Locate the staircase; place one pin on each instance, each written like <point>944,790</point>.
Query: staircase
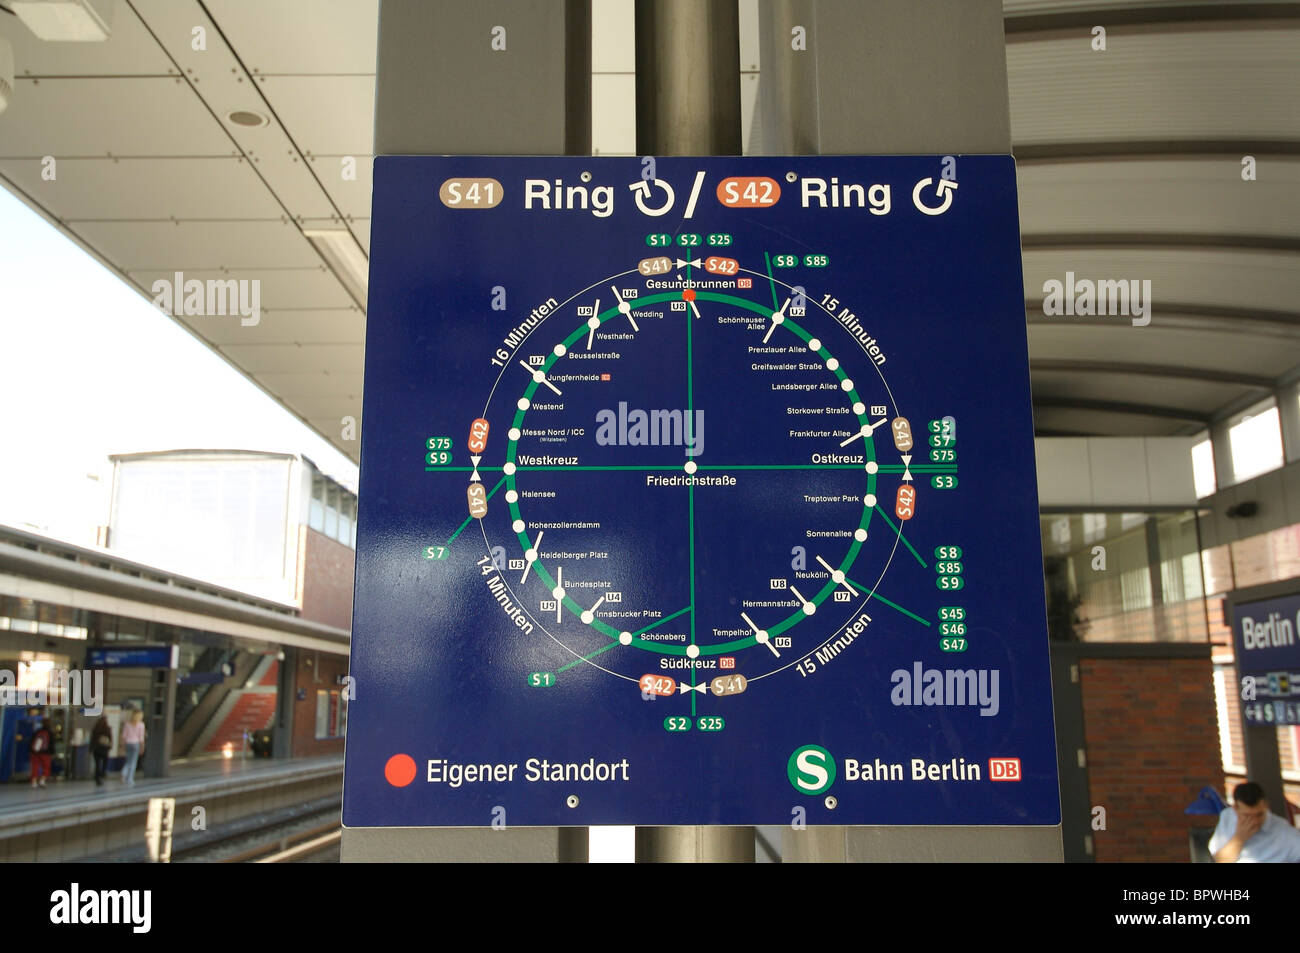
<point>248,709</point>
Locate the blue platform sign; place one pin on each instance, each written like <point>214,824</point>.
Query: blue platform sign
<point>698,491</point>
<point>1266,640</point>
<point>135,656</point>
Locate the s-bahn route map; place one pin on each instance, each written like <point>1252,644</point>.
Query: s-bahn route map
<point>698,491</point>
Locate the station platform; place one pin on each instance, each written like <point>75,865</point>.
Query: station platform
<point>71,820</point>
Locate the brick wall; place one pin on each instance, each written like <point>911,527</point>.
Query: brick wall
<point>326,585</point>
<point>314,671</point>
<point>1151,738</point>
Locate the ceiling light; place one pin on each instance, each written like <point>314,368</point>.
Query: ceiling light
<point>76,21</point>
<point>345,258</point>
<point>246,117</point>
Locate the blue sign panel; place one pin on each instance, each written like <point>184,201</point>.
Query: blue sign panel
<point>1265,639</point>
<point>698,491</point>
<point>138,656</point>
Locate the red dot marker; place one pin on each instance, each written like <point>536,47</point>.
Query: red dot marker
<point>688,294</point>
<point>400,770</point>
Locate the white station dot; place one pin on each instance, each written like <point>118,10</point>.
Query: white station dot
<point>693,651</point>
<point>625,638</point>
<point>860,535</point>
<point>859,408</point>
<point>558,592</point>
<point>593,323</point>
<point>866,430</point>
<point>539,376</point>
<point>517,526</point>
<point>872,466</point>
<point>777,317</point>
<point>869,499</point>
<point>760,636</point>
<point>838,576</point>
<point>587,616</point>
<point>531,555</point>
<point>522,403</point>
<point>508,469</point>
<point>832,364</point>
<point>514,433</point>
<point>560,350</point>
<point>815,344</point>
<point>624,307</point>
<point>512,496</point>
<point>691,466</point>
<point>809,608</point>
<point>847,384</point>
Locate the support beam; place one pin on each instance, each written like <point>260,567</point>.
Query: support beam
<point>1121,407</point>
<point>442,89</point>
<point>1182,316</point>
<point>688,103</point>
<point>687,77</point>
<point>1154,241</point>
<point>1125,369</point>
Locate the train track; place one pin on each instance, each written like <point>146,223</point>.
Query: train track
<point>296,840</point>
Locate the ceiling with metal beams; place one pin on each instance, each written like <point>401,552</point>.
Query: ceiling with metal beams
<point>1129,165</point>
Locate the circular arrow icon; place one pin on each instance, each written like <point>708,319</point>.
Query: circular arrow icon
<point>641,191</point>
<point>944,191</point>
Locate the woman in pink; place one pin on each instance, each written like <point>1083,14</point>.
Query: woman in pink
<point>133,742</point>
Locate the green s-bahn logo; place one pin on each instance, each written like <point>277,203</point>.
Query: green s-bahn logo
<point>811,769</point>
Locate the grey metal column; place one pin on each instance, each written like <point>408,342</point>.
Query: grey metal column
<point>1288,411</point>
<point>442,88</point>
<point>687,77</point>
<point>688,103</point>
<point>285,703</point>
<point>903,77</point>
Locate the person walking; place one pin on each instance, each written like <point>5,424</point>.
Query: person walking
<point>133,742</point>
<point>101,743</point>
<point>38,749</point>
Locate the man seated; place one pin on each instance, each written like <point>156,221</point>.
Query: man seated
<point>1249,833</point>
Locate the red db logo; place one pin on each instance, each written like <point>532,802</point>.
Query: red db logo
<point>1004,769</point>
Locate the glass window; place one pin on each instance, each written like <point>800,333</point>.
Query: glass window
<point>345,520</point>
<point>316,513</point>
<point>1203,469</point>
<point>332,511</point>
<point>1256,442</point>
<point>1123,577</point>
<point>330,719</point>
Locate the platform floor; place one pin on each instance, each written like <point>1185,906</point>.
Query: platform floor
<point>19,801</point>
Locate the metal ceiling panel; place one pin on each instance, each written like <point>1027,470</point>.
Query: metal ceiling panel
<point>1265,280</point>
<point>341,327</point>
<point>301,36</point>
<point>142,189</point>
<point>1012,8</point>
<point>233,246</point>
<point>325,115</point>
<point>129,50</point>
<point>1187,81</point>
<point>351,196</point>
<point>1160,195</point>
<point>283,358</point>
<point>312,384</point>
<point>109,116</point>
<point>1202,396</point>
<point>1241,353</point>
<point>1092,422</point>
<point>313,288</point>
